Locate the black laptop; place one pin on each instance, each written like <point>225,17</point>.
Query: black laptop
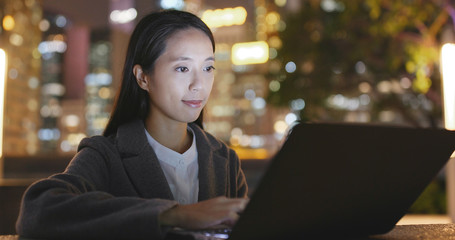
<point>346,180</point>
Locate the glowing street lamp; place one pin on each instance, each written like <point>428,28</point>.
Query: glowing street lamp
<point>448,91</point>
<point>3,68</point>
<point>448,84</point>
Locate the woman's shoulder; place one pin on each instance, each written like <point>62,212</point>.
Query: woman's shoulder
<point>97,142</point>
<point>129,138</point>
<point>97,147</point>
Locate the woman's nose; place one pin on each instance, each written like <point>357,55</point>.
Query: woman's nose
<point>196,82</point>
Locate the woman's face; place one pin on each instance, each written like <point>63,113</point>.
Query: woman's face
<point>182,79</point>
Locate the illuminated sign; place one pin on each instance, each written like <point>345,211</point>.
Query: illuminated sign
<point>224,17</point>
<point>250,53</point>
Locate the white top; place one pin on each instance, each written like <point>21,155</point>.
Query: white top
<point>181,170</point>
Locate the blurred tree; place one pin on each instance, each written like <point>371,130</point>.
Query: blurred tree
<point>370,57</point>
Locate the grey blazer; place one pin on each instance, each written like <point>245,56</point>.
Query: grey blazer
<point>114,188</point>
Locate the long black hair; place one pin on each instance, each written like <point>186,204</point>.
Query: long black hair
<point>147,43</point>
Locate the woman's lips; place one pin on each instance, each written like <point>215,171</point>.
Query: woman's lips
<point>193,103</point>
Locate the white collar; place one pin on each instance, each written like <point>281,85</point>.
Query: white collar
<point>170,156</point>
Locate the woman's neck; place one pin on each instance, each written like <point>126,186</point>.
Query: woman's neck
<point>173,135</point>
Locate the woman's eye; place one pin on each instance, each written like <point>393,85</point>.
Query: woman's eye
<point>209,69</point>
<point>181,69</point>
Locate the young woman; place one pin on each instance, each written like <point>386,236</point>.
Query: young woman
<point>155,167</point>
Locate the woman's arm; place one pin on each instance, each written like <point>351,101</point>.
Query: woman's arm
<point>205,214</point>
<point>78,206</point>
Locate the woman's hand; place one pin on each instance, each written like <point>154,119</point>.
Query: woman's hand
<point>205,214</point>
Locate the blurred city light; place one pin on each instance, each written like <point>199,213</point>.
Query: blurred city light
<point>360,67</point>
<point>290,67</point>
<point>98,79</point>
<point>297,104</point>
<point>280,127</point>
<point>16,39</point>
<point>250,53</point>
<point>332,6</point>
<point>52,47</point>
<point>405,83</point>
<point>224,17</point>
<point>54,89</point>
<point>272,18</point>
<point>342,102</point>
<point>250,94</point>
<point>172,4</point>
<point>273,53</point>
<point>448,94</point>
<point>49,134</point>
<point>44,25</point>
<point>258,103</point>
<point>274,86</point>
<point>71,120</point>
<point>61,21</point>
<point>291,118</point>
<point>448,84</point>
<point>8,23</point>
<point>364,87</point>
<point>123,16</point>
<point>3,68</point>
<point>280,3</point>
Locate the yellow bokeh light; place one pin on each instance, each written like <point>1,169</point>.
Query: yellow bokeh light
<point>16,39</point>
<point>59,37</point>
<point>272,18</point>
<point>104,93</point>
<point>261,27</point>
<point>75,138</point>
<point>275,42</point>
<point>422,84</point>
<point>249,153</point>
<point>280,127</point>
<point>224,17</point>
<point>280,3</point>
<point>8,23</point>
<point>250,53</point>
<point>261,10</point>
<point>36,54</point>
<point>261,36</point>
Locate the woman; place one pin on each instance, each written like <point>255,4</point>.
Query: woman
<point>155,167</point>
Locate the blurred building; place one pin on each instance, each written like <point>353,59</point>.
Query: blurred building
<point>65,65</point>
<point>20,37</point>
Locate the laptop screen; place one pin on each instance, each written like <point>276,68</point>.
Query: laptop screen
<point>351,179</point>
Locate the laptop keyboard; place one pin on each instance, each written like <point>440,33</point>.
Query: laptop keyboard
<point>206,234</point>
<point>222,233</point>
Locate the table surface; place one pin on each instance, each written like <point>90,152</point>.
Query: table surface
<point>400,232</point>
<point>421,231</point>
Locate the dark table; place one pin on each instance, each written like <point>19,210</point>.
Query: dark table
<point>400,232</point>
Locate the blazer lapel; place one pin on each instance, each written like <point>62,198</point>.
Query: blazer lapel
<point>141,163</point>
<point>212,167</point>
<point>147,176</point>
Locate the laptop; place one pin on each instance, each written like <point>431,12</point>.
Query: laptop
<point>346,180</point>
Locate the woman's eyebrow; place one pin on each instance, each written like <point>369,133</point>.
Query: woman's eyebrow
<point>183,58</point>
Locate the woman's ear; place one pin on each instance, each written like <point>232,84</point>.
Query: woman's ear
<point>141,78</point>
